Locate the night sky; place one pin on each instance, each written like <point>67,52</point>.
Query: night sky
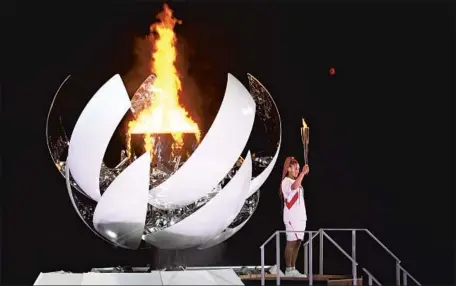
<point>382,127</point>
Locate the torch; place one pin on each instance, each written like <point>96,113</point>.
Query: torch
<point>305,140</point>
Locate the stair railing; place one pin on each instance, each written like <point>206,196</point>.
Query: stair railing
<point>308,255</point>
<point>399,268</point>
<point>276,235</point>
<point>371,278</point>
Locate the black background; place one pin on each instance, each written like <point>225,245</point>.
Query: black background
<point>382,144</point>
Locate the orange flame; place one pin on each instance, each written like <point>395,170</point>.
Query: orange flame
<point>165,115</point>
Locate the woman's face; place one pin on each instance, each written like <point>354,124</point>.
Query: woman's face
<point>293,171</point>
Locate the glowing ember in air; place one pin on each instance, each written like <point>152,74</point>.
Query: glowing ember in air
<point>165,115</point>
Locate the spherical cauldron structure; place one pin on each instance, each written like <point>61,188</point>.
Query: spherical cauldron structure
<point>170,202</point>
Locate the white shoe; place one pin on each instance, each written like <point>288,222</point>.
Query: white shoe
<point>296,273</point>
<point>289,273</point>
<point>273,270</point>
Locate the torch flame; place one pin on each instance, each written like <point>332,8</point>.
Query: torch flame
<point>165,115</point>
<point>304,125</point>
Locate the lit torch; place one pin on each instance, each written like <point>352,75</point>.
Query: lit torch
<point>164,115</point>
<point>305,141</point>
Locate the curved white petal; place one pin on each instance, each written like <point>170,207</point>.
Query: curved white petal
<point>259,180</point>
<point>92,133</point>
<point>216,154</point>
<point>209,220</point>
<point>70,193</point>
<point>120,214</point>
<point>229,232</point>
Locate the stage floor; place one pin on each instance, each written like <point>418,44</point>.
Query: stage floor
<point>270,279</point>
<point>221,276</point>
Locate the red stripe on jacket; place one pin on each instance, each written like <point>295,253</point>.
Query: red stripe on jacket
<point>293,200</point>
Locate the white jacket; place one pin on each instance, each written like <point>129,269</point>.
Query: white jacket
<point>294,208</point>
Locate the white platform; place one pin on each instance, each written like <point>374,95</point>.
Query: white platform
<point>189,277</point>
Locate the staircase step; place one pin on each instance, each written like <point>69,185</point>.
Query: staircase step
<point>270,279</point>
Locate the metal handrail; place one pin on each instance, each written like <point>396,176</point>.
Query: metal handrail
<point>399,267</point>
<point>354,263</point>
<point>339,247</point>
<point>269,239</point>
<point>308,255</point>
<point>312,235</point>
<point>311,238</point>
<point>407,274</point>
<point>371,278</point>
<point>370,234</point>
<point>343,229</point>
<point>382,245</point>
<point>276,234</point>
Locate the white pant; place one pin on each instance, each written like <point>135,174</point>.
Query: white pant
<point>292,228</point>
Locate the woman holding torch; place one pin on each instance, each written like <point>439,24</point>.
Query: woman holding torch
<point>294,212</point>
<point>294,209</point>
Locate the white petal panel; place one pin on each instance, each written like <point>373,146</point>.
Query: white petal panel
<point>259,180</point>
<point>92,133</point>
<point>216,154</point>
<point>70,193</point>
<point>209,220</point>
<point>120,214</point>
<point>223,236</point>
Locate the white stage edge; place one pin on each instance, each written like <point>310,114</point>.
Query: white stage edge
<point>188,277</point>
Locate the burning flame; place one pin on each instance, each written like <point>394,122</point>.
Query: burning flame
<point>305,132</point>
<point>165,115</point>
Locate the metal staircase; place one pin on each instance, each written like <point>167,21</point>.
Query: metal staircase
<point>323,234</point>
